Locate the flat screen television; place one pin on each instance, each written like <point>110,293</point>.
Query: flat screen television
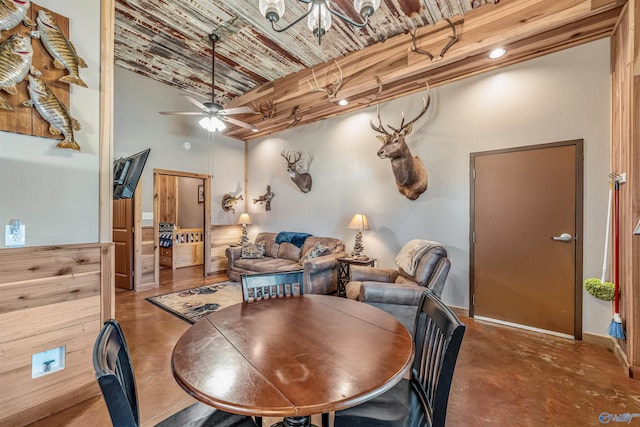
<point>126,174</point>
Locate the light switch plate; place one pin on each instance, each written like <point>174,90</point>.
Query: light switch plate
<point>17,239</point>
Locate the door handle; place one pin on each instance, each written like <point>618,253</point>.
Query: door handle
<point>564,237</point>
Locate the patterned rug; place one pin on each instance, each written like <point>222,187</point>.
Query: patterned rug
<point>193,304</point>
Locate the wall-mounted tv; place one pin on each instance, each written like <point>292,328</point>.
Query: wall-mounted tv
<point>126,174</point>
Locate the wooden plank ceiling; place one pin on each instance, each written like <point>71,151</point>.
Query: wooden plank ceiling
<point>168,41</point>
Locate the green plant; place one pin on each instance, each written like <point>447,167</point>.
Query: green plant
<point>599,289</point>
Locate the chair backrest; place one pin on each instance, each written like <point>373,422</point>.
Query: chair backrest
<point>437,337</point>
<point>272,285</point>
<point>112,364</point>
<point>432,269</point>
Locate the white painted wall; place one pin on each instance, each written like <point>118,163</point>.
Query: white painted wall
<point>54,192</point>
<point>138,126</point>
<point>562,96</point>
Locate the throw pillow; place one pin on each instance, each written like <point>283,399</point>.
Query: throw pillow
<point>289,251</point>
<point>317,250</point>
<point>253,251</point>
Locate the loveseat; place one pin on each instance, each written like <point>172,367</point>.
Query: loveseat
<point>285,251</point>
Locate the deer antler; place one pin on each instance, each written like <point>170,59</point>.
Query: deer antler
<point>379,128</point>
<point>267,110</point>
<point>373,99</point>
<point>331,93</point>
<point>295,116</point>
<point>452,39</point>
<point>425,107</point>
<point>296,154</point>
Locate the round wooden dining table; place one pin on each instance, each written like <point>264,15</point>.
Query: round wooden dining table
<point>292,357</point>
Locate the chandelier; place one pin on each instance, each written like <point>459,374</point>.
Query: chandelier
<point>318,14</point>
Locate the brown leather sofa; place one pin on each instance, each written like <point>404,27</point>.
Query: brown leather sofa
<point>397,291</point>
<point>320,273</point>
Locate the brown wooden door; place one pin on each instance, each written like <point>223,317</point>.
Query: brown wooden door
<point>521,200</point>
<point>123,241</point>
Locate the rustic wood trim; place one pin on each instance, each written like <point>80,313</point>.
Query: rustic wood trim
<point>52,406</point>
<point>180,173</point>
<point>137,237</point>
<point>207,227</point>
<point>105,151</point>
<point>600,340</point>
<point>459,311</point>
<point>528,28</point>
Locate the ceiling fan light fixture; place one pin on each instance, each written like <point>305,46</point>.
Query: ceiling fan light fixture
<point>212,124</point>
<point>271,9</point>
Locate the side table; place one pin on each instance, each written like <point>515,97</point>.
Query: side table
<point>344,271</point>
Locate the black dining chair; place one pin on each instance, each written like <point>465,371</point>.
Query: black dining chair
<point>114,372</point>
<point>422,400</point>
<point>272,285</point>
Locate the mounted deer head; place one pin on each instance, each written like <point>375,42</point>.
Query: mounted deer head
<point>411,176</point>
<point>297,167</point>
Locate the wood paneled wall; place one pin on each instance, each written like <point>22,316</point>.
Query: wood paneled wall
<point>147,278</point>
<point>222,236</point>
<point>50,296</point>
<point>625,158</point>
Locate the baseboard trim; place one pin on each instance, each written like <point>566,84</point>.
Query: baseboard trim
<point>597,339</point>
<point>459,311</point>
<point>52,406</point>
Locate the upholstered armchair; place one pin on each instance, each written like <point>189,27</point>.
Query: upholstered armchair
<point>421,264</point>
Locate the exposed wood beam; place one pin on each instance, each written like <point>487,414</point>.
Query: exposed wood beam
<point>528,28</point>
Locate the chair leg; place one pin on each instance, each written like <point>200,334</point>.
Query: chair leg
<point>258,421</point>
<point>325,419</point>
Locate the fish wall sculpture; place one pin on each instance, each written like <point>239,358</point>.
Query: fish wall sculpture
<point>12,12</point>
<point>53,111</point>
<point>60,48</point>
<point>16,55</point>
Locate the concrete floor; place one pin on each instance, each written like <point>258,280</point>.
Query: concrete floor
<point>504,376</point>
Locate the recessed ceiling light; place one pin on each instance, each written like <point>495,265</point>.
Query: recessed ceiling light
<point>497,53</point>
<point>343,102</point>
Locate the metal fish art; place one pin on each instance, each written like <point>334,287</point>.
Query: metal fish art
<point>53,111</point>
<point>60,48</point>
<point>12,12</point>
<point>16,55</point>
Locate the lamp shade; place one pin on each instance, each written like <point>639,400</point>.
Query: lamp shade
<point>359,222</point>
<point>244,218</point>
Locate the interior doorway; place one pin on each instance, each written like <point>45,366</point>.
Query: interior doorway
<point>187,245</point>
<point>526,237</point>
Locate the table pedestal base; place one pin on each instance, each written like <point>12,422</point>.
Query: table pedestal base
<point>295,422</point>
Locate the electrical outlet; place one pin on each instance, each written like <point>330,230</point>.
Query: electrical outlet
<point>622,177</point>
<point>15,234</point>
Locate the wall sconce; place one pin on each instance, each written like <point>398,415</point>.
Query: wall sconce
<point>245,220</point>
<point>358,222</point>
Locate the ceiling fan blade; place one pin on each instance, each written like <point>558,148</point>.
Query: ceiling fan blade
<point>184,113</point>
<point>237,110</point>
<point>238,123</point>
<point>196,103</point>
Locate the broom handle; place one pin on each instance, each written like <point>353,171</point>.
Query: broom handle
<point>606,236</point>
<point>616,246</point>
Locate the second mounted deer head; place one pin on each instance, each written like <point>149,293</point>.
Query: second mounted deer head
<point>410,173</point>
<point>297,168</point>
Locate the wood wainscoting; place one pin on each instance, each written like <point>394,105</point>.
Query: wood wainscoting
<point>50,296</point>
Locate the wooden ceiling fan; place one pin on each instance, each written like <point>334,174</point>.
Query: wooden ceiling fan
<point>215,115</point>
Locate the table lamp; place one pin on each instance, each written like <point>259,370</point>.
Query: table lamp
<point>358,222</point>
<point>244,219</point>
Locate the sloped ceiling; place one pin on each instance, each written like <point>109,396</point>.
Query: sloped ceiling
<point>168,41</point>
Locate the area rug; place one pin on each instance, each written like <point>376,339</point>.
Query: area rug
<point>193,304</point>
